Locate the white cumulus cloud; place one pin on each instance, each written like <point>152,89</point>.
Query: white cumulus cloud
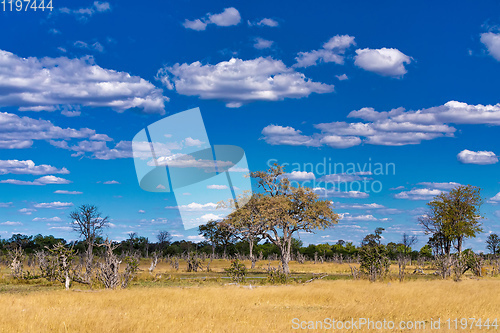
<point>194,206</point>
<point>492,43</point>
<point>190,142</point>
<point>477,157</point>
<point>229,17</point>
<point>50,83</point>
<point>85,13</point>
<point>267,22</point>
<point>397,127</point>
<point>28,167</point>
<point>440,186</point>
<point>261,43</point>
<point>300,175</point>
<point>332,51</point>
<point>384,61</point>
<point>67,192</point>
<point>54,205</point>
<point>495,199</point>
<point>217,187</point>
<point>19,132</point>
<point>238,81</point>
<point>45,180</point>
<point>418,194</point>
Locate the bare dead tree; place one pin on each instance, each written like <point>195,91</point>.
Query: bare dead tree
<point>443,265</point>
<point>88,222</point>
<point>477,265</point>
<point>154,262</point>
<point>301,258</point>
<point>459,267</point>
<point>408,241</point>
<point>164,239</point>
<point>404,255</point>
<point>194,262</point>
<point>208,265</point>
<point>47,269</point>
<point>16,257</point>
<point>496,266</point>
<point>109,270</point>
<point>402,262</point>
<point>354,272</point>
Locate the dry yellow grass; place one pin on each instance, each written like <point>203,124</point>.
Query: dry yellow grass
<point>215,308</point>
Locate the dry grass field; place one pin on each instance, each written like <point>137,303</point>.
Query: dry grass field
<point>171,304</point>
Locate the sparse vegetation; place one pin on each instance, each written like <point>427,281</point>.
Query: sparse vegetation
<point>35,268</point>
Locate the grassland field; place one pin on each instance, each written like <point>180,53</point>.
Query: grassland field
<point>171,300</point>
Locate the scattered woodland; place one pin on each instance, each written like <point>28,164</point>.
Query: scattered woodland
<point>256,246</point>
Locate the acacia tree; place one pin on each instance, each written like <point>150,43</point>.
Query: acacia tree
<point>226,234</point>
<point>493,243</point>
<point>209,232</point>
<point>282,210</point>
<point>219,233</point>
<point>246,225</point>
<point>88,222</point>
<point>453,217</point>
<point>373,239</point>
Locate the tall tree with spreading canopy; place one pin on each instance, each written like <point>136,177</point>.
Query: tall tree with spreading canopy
<point>493,243</point>
<point>454,217</point>
<point>218,233</point>
<point>282,210</point>
<point>88,222</point>
<point>245,226</point>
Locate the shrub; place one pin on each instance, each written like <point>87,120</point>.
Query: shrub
<point>374,261</point>
<point>237,271</point>
<point>276,276</point>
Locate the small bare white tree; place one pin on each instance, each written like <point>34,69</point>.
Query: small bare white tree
<point>109,270</point>
<point>16,257</point>
<point>89,224</point>
<point>154,262</point>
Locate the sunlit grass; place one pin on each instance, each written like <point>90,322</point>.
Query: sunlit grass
<point>214,308</point>
<point>170,300</point>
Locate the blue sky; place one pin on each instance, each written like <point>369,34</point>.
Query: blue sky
<point>410,85</point>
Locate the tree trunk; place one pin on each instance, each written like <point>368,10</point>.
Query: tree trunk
<point>67,282</point>
<point>285,254</point>
<point>88,268</point>
<point>250,245</point>
<point>459,245</point>
<point>252,259</point>
<point>285,259</point>
<point>448,269</point>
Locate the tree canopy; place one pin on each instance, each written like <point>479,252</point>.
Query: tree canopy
<point>282,210</point>
<point>453,217</point>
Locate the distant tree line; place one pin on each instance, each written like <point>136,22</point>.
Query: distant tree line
<point>266,227</point>
<point>144,247</point>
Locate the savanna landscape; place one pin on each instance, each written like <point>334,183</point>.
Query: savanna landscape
<point>249,166</point>
<point>242,279</point>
